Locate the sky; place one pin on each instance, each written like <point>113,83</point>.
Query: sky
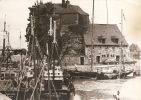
<point>16,13</point>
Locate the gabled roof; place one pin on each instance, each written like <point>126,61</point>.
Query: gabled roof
<point>69,9</point>
<point>106,31</point>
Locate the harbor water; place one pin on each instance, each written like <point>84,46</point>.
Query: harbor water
<point>91,89</point>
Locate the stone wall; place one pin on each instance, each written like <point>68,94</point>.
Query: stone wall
<point>70,60</point>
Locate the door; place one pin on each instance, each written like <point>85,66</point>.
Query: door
<point>82,60</point>
<point>98,59</point>
<point>117,58</point>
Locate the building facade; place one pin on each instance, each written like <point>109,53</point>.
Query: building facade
<point>109,45</point>
<point>71,23</point>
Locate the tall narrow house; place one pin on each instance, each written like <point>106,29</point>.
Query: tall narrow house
<point>72,23</point>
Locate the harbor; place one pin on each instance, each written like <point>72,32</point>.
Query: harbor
<point>89,89</point>
<point>63,52</point>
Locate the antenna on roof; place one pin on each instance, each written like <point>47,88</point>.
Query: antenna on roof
<point>107,11</point>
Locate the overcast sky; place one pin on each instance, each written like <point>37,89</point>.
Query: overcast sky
<point>17,12</point>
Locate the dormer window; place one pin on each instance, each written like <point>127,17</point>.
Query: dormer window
<point>115,39</point>
<point>101,39</point>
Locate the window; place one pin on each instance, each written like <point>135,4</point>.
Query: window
<point>115,39</point>
<point>101,39</point>
<point>106,47</point>
<point>31,72</point>
<point>112,55</point>
<point>90,56</point>
<point>107,55</point>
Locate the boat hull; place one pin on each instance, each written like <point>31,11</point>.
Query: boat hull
<point>44,95</point>
<point>84,74</point>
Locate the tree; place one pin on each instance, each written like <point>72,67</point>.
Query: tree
<point>134,48</point>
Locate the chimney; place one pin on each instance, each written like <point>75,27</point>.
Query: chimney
<point>63,3</point>
<point>67,3</point>
<point>41,2</point>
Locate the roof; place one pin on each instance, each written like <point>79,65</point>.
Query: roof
<point>70,9</point>
<point>107,31</point>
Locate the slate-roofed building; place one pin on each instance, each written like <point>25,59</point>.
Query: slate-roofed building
<point>72,22</point>
<point>107,44</point>
<point>74,31</point>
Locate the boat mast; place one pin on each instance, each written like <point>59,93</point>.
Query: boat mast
<point>92,36</point>
<point>48,61</point>
<point>4,31</point>
<point>121,21</point>
<point>34,55</point>
<point>121,66</point>
<point>121,41</point>
<point>107,10</point>
<point>20,51</point>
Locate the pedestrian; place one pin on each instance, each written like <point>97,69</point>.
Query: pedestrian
<point>71,87</point>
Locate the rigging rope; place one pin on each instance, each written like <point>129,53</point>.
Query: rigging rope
<point>19,85</point>
<point>55,90</point>
<point>9,73</point>
<point>37,82</point>
<point>25,87</point>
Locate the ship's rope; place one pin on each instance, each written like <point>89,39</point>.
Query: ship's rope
<point>8,80</point>
<point>57,50</point>
<point>43,37</point>
<point>25,87</point>
<point>40,86</point>
<point>2,88</point>
<point>10,70</point>
<point>38,77</point>
<point>55,47</point>
<point>55,90</point>
<point>19,84</point>
<point>37,82</point>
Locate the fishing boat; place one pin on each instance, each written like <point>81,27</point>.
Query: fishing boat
<point>41,77</point>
